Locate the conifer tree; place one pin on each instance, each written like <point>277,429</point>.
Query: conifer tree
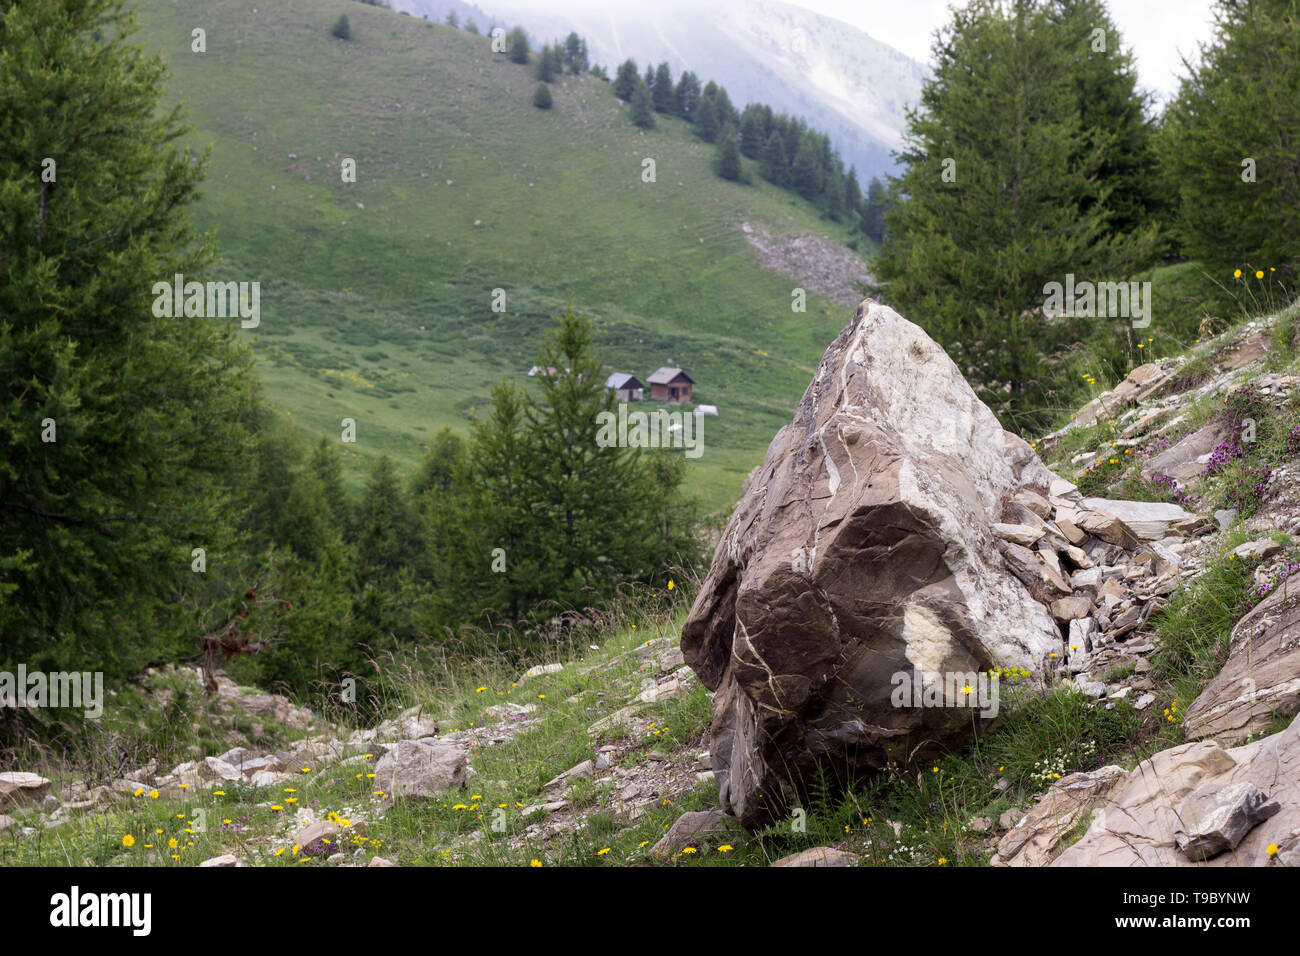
<point>1229,143</point>
<point>665,95</point>
<point>575,54</point>
<point>688,96</point>
<point>1001,199</point>
<point>517,44</point>
<point>125,428</point>
<point>774,166</point>
<point>625,81</point>
<point>643,113</point>
<point>728,155</point>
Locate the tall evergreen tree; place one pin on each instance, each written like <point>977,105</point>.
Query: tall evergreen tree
<point>625,80</point>
<point>643,113</point>
<point>328,466</point>
<point>1230,139</point>
<point>598,509</point>
<point>688,96</point>
<point>706,119</point>
<point>125,429</point>
<point>852,194</point>
<point>873,210</point>
<point>550,63</point>
<point>835,195</point>
<point>1000,200</point>
<point>517,44</point>
<point>753,130</point>
<point>665,94</point>
<point>1105,81</point>
<point>774,167</point>
<point>806,174</point>
<point>385,532</point>
<point>728,155</point>
<point>575,54</point>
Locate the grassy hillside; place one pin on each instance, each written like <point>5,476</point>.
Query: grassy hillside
<point>376,295</point>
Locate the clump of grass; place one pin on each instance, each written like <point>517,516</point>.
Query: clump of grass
<point>1286,337</point>
<point>1194,373</point>
<point>1193,631</point>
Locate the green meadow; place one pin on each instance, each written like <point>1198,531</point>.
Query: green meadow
<point>376,296</point>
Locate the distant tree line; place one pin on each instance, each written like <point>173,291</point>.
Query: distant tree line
<point>787,152</point>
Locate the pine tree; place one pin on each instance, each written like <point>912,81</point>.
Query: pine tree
<point>852,194</point>
<point>125,430</point>
<point>575,54</point>
<point>728,155</point>
<point>1229,142</point>
<point>517,44</point>
<point>806,172</point>
<point>706,119</point>
<point>835,195</point>
<point>385,521</point>
<point>304,524</point>
<point>643,113</point>
<point>542,98</point>
<point>665,95</point>
<point>727,114</point>
<point>1105,80</point>
<point>753,130</point>
<point>598,511</point>
<point>688,96</point>
<point>328,466</point>
<point>774,167</point>
<point>1000,199</point>
<point>497,513</point>
<point>550,64</point>
<point>342,29</point>
<point>873,210</point>
<point>625,81</point>
<point>471,27</point>
<point>453,21</point>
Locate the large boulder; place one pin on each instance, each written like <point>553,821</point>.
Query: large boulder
<point>1201,805</point>
<point>19,789</point>
<point>862,552</point>
<point>421,769</point>
<point>1260,682</point>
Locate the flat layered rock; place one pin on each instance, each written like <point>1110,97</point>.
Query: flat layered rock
<point>1260,681</point>
<point>820,856</point>
<point>1149,520</point>
<point>1140,822</point>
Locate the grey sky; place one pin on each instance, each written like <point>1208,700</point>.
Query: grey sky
<point>1156,30</point>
